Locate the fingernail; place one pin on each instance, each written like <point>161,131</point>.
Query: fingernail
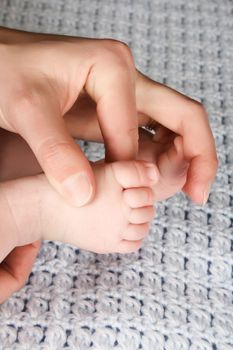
<point>151,172</point>
<point>78,188</point>
<point>206,194</point>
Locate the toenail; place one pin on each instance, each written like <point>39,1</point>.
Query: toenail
<point>151,172</point>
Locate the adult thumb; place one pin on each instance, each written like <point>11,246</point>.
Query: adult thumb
<point>61,159</point>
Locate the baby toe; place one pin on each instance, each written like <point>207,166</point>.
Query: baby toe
<point>138,197</point>
<point>141,215</point>
<point>136,232</point>
<point>135,173</point>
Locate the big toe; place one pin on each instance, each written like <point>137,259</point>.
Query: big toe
<point>135,173</point>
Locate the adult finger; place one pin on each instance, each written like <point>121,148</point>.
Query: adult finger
<point>189,119</point>
<point>111,83</point>
<point>15,269</point>
<point>82,121</point>
<point>62,160</point>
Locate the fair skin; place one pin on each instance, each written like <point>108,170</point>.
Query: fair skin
<point>44,74</point>
<point>134,226</point>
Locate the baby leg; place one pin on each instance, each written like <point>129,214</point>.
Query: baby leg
<point>116,221</point>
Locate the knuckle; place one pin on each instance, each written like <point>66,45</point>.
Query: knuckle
<point>52,149</point>
<point>197,109</point>
<point>24,93</point>
<point>23,99</point>
<point>123,49</point>
<point>119,50</point>
<point>26,102</point>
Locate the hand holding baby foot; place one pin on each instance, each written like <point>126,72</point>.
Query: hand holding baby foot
<point>173,170</point>
<point>176,113</point>
<point>165,149</point>
<point>41,78</point>
<point>118,218</point>
<point>56,151</point>
<point>116,221</point>
<point>124,193</point>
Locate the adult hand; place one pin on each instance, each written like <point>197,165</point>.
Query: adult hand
<point>157,103</point>
<point>15,269</point>
<point>179,113</point>
<point>188,118</point>
<point>41,78</point>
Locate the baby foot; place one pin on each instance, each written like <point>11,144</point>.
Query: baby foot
<point>118,218</point>
<point>166,151</point>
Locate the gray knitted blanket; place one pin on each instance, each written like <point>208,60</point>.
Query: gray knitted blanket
<point>176,292</point>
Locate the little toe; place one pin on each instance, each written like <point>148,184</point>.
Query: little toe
<point>138,197</point>
<point>141,215</point>
<point>135,173</point>
<point>136,232</point>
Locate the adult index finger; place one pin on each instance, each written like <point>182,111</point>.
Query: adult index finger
<point>111,83</point>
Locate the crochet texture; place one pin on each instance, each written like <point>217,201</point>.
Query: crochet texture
<point>176,292</point>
